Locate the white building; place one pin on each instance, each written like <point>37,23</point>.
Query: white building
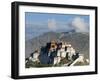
<point>35,57</point>
<point>81,58</point>
<point>56,60</point>
<point>70,51</point>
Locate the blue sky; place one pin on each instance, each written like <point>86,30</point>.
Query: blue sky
<point>39,23</point>
<point>38,17</point>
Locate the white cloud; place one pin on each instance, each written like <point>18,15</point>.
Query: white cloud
<point>80,25</point>
<point>52,24</point>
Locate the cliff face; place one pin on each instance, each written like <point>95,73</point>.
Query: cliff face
<point>79,41</point>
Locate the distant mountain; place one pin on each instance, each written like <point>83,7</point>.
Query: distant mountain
<point>79,41</point>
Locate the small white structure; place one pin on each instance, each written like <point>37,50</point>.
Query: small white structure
<point>68,45</point>
<point>87,60</point>
<point>58,53</point>
<point>26,60</point>
<point>30,58</point>
<point>63,54</point>
<point>81,58</point>
<point>56,60</point>
<point>71,52</point>
<point>35,57</point>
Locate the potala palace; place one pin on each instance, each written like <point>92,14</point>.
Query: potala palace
<point>58,54</point>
